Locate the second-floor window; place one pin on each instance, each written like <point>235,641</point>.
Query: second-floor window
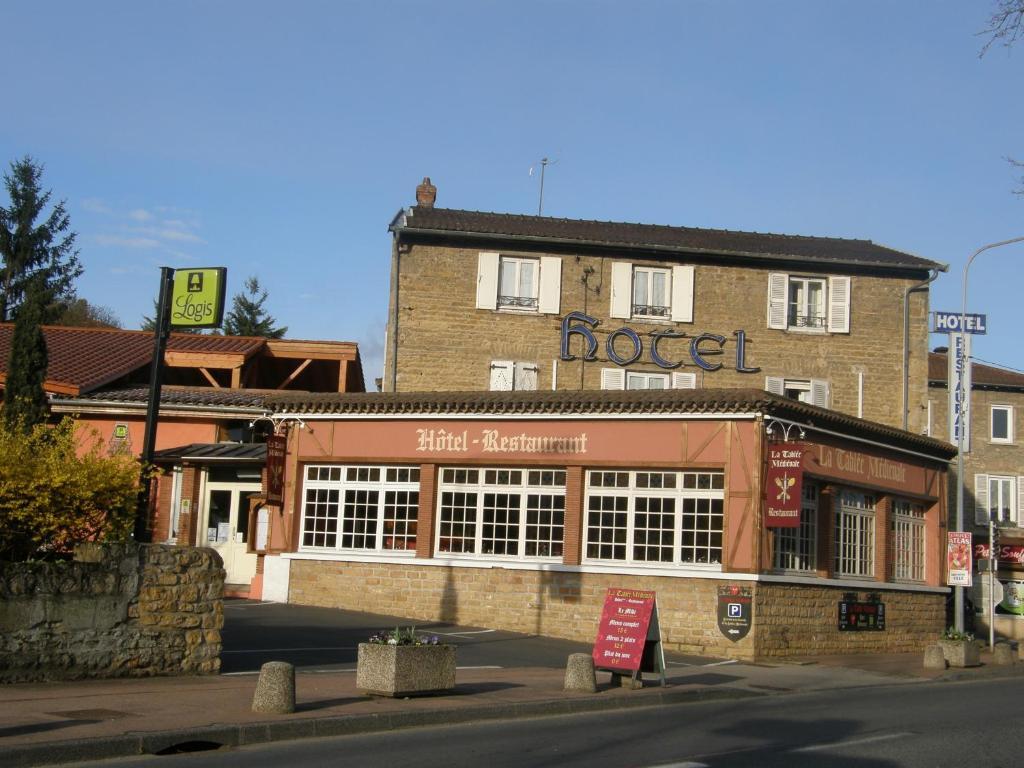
<point>651,292</point>
<point>998,497</point>
<point>507,375</point>
<point>809,303</point>
<point>1002,424</point>
<point>813,391</point>
<point>522,284</point>
<point>648,292</point>
<point>620,378</point>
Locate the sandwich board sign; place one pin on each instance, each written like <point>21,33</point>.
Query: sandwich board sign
<point>628,635</point>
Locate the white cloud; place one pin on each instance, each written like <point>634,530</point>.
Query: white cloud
<point>95,205</point>
<point>127,242</point>
<point>140,214</point>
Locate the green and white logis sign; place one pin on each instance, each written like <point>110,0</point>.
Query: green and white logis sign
<point>197,298</point>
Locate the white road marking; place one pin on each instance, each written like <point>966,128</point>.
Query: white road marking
<point>467,633</point>
<point>291,650</point>
<point>712,664</point>
<point>684,764</point>
<point>852,742</point>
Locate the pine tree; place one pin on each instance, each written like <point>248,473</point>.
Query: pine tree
<point>29,249</point>
<point>24,396</point>
<point>248,317</point>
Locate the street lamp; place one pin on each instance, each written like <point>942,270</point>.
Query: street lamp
<point>965,410</point>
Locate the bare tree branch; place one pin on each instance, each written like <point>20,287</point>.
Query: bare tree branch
<point>1005,26</point>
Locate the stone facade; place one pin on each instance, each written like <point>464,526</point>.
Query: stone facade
<point>116,611</point>
<point>445,343</point>
<point>788,620</point>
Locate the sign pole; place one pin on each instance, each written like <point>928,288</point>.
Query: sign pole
<point>160,333</point>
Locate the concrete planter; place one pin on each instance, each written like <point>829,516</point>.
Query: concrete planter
<point>405,670</point>
<point>961,653</point>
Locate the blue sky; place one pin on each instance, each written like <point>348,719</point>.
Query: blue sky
<point>278,139</point>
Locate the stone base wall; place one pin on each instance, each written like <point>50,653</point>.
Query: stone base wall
<point>788,620</point>
<point>115,611</point>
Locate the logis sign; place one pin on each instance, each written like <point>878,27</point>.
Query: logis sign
<point>701,346</point>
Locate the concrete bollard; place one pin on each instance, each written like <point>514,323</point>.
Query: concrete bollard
<point>275,690</point>
<point>934,658</point>
<point>1002,654</point>
<point>579,673</point>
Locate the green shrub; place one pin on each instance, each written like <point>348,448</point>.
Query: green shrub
<point>58,488</point>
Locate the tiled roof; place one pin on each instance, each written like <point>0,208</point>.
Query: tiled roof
<point>595,402</point>
<point>658,237</point>
<point>172,395</point>
<point>981,375</point>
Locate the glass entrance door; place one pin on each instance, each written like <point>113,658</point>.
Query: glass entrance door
<point>226,505</point>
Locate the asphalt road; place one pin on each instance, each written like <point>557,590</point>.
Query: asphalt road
<point>905,726</point>
<point>325,638</point>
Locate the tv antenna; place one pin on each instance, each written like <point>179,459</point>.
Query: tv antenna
<point>544,163</point>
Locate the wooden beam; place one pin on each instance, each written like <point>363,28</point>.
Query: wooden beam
<point>236,377</point>
<point>343,376</point>
<point>295,374</point>
<point>209,378</point>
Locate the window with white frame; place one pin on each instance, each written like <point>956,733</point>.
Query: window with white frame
<point>809,303</point>
<point>907,541</point>
<point>855,534</point>
<point>518,283</point>
<point>620,378</point>
<point>796,549</point>
<point>507,375</point>
<point>813,391</point>
<point>360,508</point>
<point>504,513</point>
<point>999,498</point>
<point>1001,420</point>
<point>649,292</point>
<point>654,517</point>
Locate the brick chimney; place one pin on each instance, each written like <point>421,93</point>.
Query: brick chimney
<point>426,194</point>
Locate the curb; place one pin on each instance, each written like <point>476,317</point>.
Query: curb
<point>150,743</point>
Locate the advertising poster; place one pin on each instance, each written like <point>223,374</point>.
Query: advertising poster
<point>958,559</point>
<point>622,631</point>
<point>783,485</point>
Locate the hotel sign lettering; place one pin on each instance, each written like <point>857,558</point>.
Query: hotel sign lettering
<point>498,441</point>
<point>701,346</point>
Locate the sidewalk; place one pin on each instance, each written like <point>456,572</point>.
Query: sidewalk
<point>49,723</point>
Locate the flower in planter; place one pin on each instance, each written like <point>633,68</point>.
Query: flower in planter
<point>953,634</point>
<point>400,636</point>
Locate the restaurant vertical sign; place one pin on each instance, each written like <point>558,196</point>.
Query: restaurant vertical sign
<point>784,485</point>
<point>276,448</point>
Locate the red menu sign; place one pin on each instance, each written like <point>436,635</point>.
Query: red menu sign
<point>622,632</point>
<point>783,485</point>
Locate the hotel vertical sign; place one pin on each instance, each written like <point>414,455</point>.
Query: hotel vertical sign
<point>784,485</point>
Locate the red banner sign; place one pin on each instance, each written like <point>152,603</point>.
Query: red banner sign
<point>1007,553</point>
<point>622,632</point>
<point>783,485</point>
<point>276,449</point>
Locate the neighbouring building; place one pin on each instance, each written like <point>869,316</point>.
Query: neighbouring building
<point>491,301</point>
<point>993,479</point>
<point>210,440</point>
<point>498,480</point>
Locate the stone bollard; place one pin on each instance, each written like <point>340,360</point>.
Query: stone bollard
<point>275,690</point>
<point>1002,654</point>
<point>579,673</point>
<point>934,658</point>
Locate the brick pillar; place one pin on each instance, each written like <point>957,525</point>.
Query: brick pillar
<point>188,520</point>
<point>574,516</point>
<point>826,530</point>
<point>425,517</point>
<point>883,537</point>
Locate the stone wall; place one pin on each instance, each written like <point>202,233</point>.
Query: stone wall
<point>787,620</point>
<point>447,344</point>
<point>115,611</point>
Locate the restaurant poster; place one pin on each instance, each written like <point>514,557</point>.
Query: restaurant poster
<point>276,449</point>
<point>784,485</point>
<point>958,559</point>
<point>623,629</point>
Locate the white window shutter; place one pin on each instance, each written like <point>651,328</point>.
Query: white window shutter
<point>1020,499</point>
<point>622,289</point>
<point>549,299</point>
<point>613,378</point>
<point>775,384</point>
<point>487,281</point>
<point>526,376</point>
<point>981,499</point>
<point>501,375</point>
<point>778,286</point>
<point>684,380</point>
<point>819,393</point>
<point>839,305</point>
<point>682,293</point>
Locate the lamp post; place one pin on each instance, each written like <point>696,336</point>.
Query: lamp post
<point>963,395</point>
